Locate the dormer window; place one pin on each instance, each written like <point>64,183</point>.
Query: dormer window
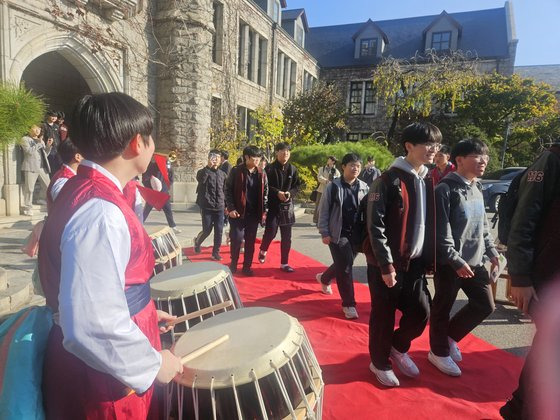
<point>276,11</point>
<point>368,47</point>
<point>441,41</point>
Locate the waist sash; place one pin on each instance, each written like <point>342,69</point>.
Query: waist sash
<point>137,297</point>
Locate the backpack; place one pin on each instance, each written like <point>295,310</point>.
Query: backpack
<point>508,204</point>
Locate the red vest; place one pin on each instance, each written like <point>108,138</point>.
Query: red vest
<point>63,172</point>
<point>73,389</point>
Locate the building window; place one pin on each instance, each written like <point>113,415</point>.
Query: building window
<point>368,47</point>
<point>263,59</point>
<point>218,35</point>
<point>299,37</point>
<point>441,41</point>
<point>286,71</point>
<point>250,54</point>
<point>252,60</point>
<point>362,98</point>
<point>353,136</point>
<point>308,81</point>
<point>276,11</point>
<point>245,121</point>
<point>241,50</point>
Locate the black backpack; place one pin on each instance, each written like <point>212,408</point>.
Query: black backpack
<point>508,204</point>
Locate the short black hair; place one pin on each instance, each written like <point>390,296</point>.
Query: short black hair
<point>349,158</point>
<point>332,158</point>
<point>61,115</point>
<point>370,158</point>
<point>225,154</point>
<point>252,151</point>
<point>468,147</point>
<point>445,149</point>
<point>420,133</point>
<point>104,124</point>
<point>282,146</point>
<point>214,152</point>
<point>67,150</point>
<point>51,113</point>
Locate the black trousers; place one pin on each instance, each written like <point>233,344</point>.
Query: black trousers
<point>243,229</point>
<point>343,261</point>
<point>411,296</point>
<point>211,219</point>
<point>270,233</point>
<point>479,306</point>
<point>166,209</point>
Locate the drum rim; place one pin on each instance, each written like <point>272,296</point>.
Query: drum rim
<point>206,378</point>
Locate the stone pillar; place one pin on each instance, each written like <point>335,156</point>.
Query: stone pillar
<point>184,87</point>
<point>244,51</point>
<point>280,75</point>
<point>10,197</point>
<point>256,60</point>
<point>287,77</point>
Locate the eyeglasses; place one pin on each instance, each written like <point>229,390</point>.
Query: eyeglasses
<point>480,158</point>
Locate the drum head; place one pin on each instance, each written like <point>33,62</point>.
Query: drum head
<point>187,280</point>
<point>156,231</point>
<point>259,340</point>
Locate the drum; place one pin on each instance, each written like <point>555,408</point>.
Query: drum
<point>167,249</point>
<point>265,370</point>
<point>191,287</point>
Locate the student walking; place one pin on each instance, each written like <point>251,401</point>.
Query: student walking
<point>339,217</point>
<point>463,242</point>
<point>325,175</point>
<point>283,186</point>
<point>400,209</point>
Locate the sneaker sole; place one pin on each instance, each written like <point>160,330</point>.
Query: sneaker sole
<point>390,385</point>
<point>447,372</point>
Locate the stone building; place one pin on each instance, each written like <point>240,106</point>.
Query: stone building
<point>192,61</point>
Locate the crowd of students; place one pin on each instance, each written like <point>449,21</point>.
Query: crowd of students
<point>104,353</point>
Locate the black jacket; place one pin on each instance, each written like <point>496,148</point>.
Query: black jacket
<point>281,179</point>
<point>210,189</point>
<point>236,191</point>
<point>534,237</point>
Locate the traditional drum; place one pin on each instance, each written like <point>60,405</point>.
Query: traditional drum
<point>167,249</point>
<point>266,369</point>
<point>192,287</point>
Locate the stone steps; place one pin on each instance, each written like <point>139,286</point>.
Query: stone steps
<point>16,292</point>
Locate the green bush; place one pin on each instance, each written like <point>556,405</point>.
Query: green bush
<point>309,158</point>
<point>19,110</point>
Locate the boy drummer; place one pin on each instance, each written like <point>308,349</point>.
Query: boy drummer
<point>104,353</point>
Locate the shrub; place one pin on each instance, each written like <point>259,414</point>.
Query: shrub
<point>308,159</point>
<point>19,110</point>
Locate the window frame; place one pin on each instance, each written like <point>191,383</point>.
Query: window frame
<point>440,42</point>
<point>371,43</point>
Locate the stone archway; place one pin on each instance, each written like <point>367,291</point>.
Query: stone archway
<point>56,80</point>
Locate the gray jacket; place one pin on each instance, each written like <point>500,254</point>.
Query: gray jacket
<point>34,155</point>
<point>462,234</point>
<point>330,214</point>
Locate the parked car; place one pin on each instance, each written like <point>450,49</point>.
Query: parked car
<point>496,184</point>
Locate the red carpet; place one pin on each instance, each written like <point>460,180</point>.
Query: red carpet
<point>352,392</point>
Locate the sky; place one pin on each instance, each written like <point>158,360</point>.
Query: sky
<point>537,22</point>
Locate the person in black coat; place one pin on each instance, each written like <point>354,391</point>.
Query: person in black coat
<point>283,185</point>
<point>211,200</point>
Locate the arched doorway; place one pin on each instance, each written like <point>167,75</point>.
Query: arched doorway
<point>56,80</point>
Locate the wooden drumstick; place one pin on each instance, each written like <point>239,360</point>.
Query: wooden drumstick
<point>201,350</point>
<point>196,314</point>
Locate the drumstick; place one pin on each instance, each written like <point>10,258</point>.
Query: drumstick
<point>207,347</point>
<point>196,314</point>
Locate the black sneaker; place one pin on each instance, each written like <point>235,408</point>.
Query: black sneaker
<point>262,257</point>
<point>196,247</point>
<point>248,272</point>
<point>216,257</point>
<point>233,268</point>
<point>286,268</point>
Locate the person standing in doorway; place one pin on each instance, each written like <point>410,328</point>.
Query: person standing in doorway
<point>35,166</point>
<point>211,200</point>
<point>326,175</point>
<point>50,131</point>
<point>247,206</point>
<point>283,186</point>
<point>401,240</point>
<point>339,214</point>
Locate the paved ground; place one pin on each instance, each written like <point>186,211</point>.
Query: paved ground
<point>505,328</point>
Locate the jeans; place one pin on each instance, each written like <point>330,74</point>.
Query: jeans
<point>270,233</point>
<point>243,229</point>
<point>343,260</point>
<point>479,306</point>
<point>211,219</point>
<point>411,296</point>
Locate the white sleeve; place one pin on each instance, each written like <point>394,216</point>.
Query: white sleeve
<point>94,316</point>
<point>57,186</point>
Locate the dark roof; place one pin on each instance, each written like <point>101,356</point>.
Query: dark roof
<point>293,14</point>
<point>484,32</point>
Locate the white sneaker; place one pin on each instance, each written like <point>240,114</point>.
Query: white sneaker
<point>176,229</point>
<point>404,363</point>
<point>28,212</point>
<point>326,288</point>
<point>385,377</point>
<point>444,364</point>
<point>350,312</point>
<point>454,351</point>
